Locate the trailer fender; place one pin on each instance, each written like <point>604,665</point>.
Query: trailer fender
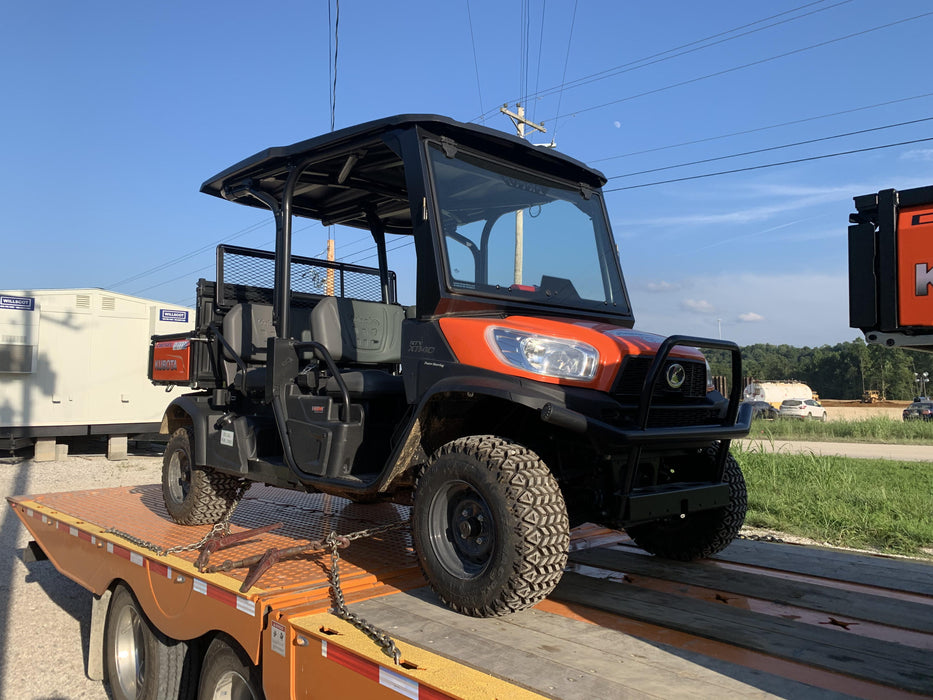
<point>95,653</point>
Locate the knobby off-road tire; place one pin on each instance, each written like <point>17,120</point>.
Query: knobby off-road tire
<point>194,495</point>
<point>489,526</point>
<point>701,534</point>
<point>141,662</point>
<point>228,674</point>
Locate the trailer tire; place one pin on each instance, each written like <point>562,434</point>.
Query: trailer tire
<point>194,495</point>
<point>702,534</point>
<point>142,663</point>
<point>228,673</point>
<point>489,526</point>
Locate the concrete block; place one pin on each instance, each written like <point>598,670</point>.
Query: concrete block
<point>44,450</point>
<point>116,447</point>
<point>61,452</point>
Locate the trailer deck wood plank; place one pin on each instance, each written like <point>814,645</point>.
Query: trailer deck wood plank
<point>566,658</point>
<point>884,610</point>
<point>870,570</point>
<point>891,664</point>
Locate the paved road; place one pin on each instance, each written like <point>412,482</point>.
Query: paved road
<point>904,453</point>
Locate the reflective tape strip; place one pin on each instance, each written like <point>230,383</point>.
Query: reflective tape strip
<point>384,676</point>
<point>400,684</point>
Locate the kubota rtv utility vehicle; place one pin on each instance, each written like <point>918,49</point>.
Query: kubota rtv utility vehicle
<point>511,401</point>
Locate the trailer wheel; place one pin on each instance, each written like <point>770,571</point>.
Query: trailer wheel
<point>489,526</point>
<point>141,662</point>
<point>701,534</point>
<point>194,495</point>
<point>228,674</point>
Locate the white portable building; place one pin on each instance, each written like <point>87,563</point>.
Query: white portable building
<point>74,362</point>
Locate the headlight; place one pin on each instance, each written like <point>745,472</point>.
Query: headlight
<point>709,378</point>
<point>552,357</point>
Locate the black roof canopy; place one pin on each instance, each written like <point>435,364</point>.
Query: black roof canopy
<point>350,174</point>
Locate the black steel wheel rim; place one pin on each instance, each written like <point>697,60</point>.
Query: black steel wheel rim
<point>462,530</point>
<point>179,475</point>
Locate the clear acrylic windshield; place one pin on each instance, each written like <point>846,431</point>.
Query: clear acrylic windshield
<point>511,235</point>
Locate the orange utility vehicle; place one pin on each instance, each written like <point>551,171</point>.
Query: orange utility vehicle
<point>511,402</point>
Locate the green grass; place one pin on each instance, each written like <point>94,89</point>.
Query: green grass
<point>877,430</point>
<point>880,505</point>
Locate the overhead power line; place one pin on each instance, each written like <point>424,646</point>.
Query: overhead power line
<point>333,56</point>
<point>662,56</point>
<point>772,148</point>
<point>761,128</point>
<point>770,165</point>
<point>186,256</point>
<point>540,47</point>
<point>479,89</point>
<point>560,96</point>
<point>743,66</point>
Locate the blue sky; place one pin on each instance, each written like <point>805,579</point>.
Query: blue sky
<point>114,113</point>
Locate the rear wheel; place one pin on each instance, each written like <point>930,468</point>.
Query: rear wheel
<point>228,674</point>
<point>194,495</point>
<point>490,526</point>
<point>702,534</point>
<point>141,662</point>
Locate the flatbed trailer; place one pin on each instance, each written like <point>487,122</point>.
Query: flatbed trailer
<point>758,620</point>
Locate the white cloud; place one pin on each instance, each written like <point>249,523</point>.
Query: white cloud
<point>805,309</point>
<point>617,124</point>
<point>699,305</point>
<point>662,286</point>
<point>922,154</point>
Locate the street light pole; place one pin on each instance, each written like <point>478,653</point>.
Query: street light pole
<point>922,380</point>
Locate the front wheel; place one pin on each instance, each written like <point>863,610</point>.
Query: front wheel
<point>141,662</point>
<point>702,534</point>
<point>194,495</point>
<point>489,526</point>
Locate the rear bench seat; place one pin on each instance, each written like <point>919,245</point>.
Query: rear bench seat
<point>363,334</point>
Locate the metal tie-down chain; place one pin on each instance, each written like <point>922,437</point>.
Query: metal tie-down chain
<point>220,528</point>
<point>333,541</point>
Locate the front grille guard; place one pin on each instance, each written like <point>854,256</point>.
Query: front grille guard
<point>735,423</point>
<point>660,362</point>
<point>732,425</point>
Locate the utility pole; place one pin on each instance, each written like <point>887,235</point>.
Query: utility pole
<point>329,288</point>
<point>520,123</point>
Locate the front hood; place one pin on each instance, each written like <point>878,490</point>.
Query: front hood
<point>635,342</point>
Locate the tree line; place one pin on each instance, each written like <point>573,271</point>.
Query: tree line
<point>842,371</point>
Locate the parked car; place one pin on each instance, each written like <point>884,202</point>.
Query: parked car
<point>919,410</point>
<point>762,409</point>
<point>807,409</point>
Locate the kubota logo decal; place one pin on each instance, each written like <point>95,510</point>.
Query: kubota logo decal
<point>676,375</point>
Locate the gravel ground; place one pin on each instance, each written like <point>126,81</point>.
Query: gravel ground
<point>45,616</point>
